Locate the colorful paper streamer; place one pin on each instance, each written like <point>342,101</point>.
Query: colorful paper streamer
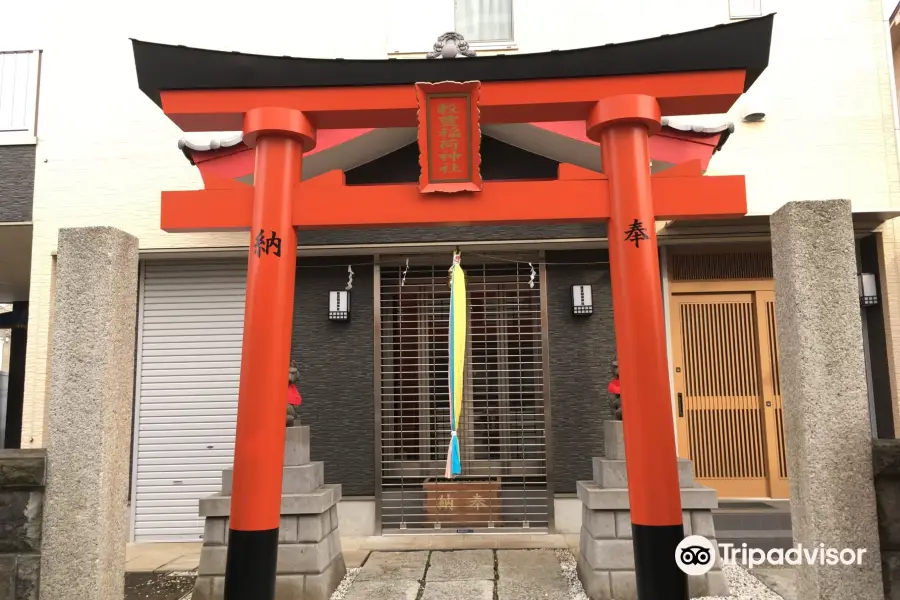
<point>457,362</point>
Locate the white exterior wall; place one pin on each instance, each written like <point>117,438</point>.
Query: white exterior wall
<point>105,151</point>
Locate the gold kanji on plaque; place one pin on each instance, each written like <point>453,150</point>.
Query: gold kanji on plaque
<point>445,503</point>
<point>449,137</point>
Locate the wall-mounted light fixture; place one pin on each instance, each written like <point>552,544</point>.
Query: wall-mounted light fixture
<point>339,306</point>
<point>868,289</point>
<point>752,113</point>
<point>582,300</point>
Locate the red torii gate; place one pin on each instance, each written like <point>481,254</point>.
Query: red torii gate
<point>620,91</point>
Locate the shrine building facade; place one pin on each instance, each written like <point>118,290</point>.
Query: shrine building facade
<point>541,339</point>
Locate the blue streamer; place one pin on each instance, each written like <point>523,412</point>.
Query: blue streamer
<point>455,464</point>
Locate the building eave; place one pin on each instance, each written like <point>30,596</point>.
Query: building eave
<point>742,45</point>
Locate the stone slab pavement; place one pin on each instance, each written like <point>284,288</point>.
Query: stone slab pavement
<point>460,574</point>
<point>781,580</point>
<point>168,557</point>
<point>171,557</point>
<point>162,557</point>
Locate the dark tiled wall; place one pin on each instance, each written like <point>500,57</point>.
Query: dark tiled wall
<point>581,353</point>
<point>337,372</point>
<point>451,235</point>
<point>499,161</point>
<point>22,480</point>
<point>16,183</point>
<point>886,470</point>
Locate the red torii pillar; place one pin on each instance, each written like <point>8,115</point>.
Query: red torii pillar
<point>281,136</point>
<point>622,125</point>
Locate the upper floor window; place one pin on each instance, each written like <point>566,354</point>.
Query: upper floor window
<point>19,74</point>
<point>745,9</point>
<point>484,21</point>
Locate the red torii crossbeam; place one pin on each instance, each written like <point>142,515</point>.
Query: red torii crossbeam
<point>579,195</point>
<point>618,91</point>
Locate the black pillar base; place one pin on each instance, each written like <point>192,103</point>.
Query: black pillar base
<point>251,565</point>
<point>657,574</point>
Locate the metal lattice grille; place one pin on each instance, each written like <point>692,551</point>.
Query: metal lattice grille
<point>502,428</point>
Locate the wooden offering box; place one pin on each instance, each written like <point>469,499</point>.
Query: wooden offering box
<point>463,501</point>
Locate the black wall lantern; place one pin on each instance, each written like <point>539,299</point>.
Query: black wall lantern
<point>339,306</point>
<point>582,300</point>
<point>868,289</point>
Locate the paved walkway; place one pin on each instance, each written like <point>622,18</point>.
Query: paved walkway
<point>185,556</point>
<point>782,581</point>
<point>453,575</point>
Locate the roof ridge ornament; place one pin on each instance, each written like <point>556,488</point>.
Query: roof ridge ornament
<point>451,45</point>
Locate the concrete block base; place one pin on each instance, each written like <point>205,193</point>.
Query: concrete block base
<point>316,586</point>
<point>310,561</point>
<point>606,553</point>
<point>622,585</point>
<point>611,473</point>
<point>606,557</point>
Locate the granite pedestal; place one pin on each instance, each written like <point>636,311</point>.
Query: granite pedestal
<point>606,553</point>
<point>310,562</point>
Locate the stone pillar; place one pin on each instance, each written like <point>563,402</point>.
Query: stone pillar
<point>826,409</point>
<point>89,420</point>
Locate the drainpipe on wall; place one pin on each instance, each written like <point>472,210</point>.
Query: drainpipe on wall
<point>867,356</point>
<point>891,8</point>
<point>4,376</point>
<point>664,275</point>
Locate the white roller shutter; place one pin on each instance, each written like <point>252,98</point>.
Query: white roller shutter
<point>188,364</point>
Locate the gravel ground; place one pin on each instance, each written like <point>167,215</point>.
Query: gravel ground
<point>743,586</point>
<point>158,586</point>
<point>344,586</point>
<point>568,565</point>
<point>338,594</point>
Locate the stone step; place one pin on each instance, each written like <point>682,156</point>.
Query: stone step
<point>310,503</point>
<point>292,529</point>
<point>602,584</point>
<point>312,586</point>
<point>616,524</point>
<point>611,473</point>
<point>616,555</point>
<point>761,520</point>
<point>294,480</point>
<point>293,559</point>
<point>597,498</point>
<point>764,540</point>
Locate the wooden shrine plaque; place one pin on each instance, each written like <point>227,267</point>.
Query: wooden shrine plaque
<point>449,137</point>
<point>463,502</point>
